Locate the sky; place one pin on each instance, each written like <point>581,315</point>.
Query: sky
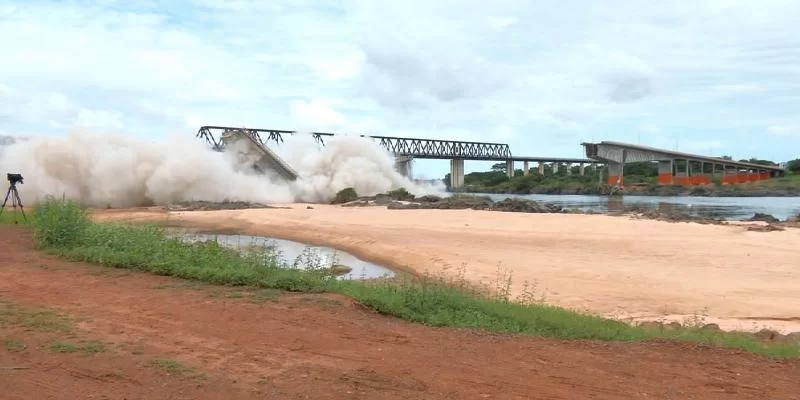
<point>714,77</point>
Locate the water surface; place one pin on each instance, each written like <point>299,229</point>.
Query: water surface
<point>728,208</point>
<point>289,251</point>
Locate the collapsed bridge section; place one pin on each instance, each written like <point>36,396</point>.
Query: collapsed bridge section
<point>249,147</point>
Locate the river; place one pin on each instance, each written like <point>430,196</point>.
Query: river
<point>729,208</point>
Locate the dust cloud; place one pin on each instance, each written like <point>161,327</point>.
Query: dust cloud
<point>101,169</point>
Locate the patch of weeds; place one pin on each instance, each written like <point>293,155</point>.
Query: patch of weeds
<point>14,345</point>
<point>321,300</point>
<point>180,285</point>
<point>263,380</point>
<point>34,319</point>
<point>263,295</point>
<point>89,347</point>
<point>63,228</point>
<point>173,367</point>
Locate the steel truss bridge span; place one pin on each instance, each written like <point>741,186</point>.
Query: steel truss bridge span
<point>399,146</point>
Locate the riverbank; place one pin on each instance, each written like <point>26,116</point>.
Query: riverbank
<point>70,328</point>
<point>788,186</point>
<point>634,269</point>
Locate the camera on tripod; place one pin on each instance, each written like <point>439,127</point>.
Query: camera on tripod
<point>13,179</point>
<point>13,194</point>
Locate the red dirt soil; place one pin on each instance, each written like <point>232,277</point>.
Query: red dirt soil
<point>321,347</point>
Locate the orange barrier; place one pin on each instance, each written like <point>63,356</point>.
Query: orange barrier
<point>665,179</point>
<point>742,178</point>
<point>612,180</point>
<point>683,180</point>
<point>701,180</point>
<point>730,179</point>
<point>764,176</point>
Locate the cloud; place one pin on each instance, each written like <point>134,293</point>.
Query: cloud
<point>540,76</point>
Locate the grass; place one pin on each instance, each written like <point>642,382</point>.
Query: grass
<point>14,345</point>
<point>34,319</point>
<point>89,347</point>
<point>9,216</point>
<point>63,228</point>
<point>173,367</point>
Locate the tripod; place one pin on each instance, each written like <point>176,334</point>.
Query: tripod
<point>15,201</point>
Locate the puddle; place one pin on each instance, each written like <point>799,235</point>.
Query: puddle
<point>289,251</point>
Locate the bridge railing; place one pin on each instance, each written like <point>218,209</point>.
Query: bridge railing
<point>419,148</point>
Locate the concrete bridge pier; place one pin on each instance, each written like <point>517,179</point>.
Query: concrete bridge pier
<point>569,169</point>
<point>510,168</point>
<point>525,170</point>
<point>665,169</point>
<point>402,164</point>
<point>582,169</point>
<point>555,168</point>
<point>457,173</point>
<point>615,174</point>
<point>541,168</point>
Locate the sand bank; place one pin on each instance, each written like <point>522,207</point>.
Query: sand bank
<point>614,266</point>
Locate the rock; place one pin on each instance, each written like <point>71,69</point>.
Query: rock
<point>309,208</point>
<point>768,334</point>
<point>382,199</point>
<point>345,195</point>
<point>357,203</point>
<point>428,199</point>
<point>210,205</point>
<point>764,217</point>
<point>522,205</point>
<point>340,269</point>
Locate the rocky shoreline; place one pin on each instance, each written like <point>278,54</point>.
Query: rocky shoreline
<point>654,190</point>
<point>402,200</point>
<point>457,202</point>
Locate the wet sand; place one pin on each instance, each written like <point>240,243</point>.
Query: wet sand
<point>614,266</point>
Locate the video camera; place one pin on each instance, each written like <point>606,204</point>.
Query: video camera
<point>13,179</point>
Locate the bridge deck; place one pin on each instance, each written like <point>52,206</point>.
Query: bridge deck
<point>646,153</point>
<point>401,146</point>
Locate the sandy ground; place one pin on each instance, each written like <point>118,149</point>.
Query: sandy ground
<point>169,339</point>
<point>614,266</point>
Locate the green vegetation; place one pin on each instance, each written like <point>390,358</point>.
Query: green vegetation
<point>640,178</point>
<point>173,367</point>
<point>62,227</point>
<point>345,195</point>
<point>496,180</point>
<point>34,319</point>
<point>90,347</point>
<point>9,216</point>
<point>14,345</point>
<point>794,166</point>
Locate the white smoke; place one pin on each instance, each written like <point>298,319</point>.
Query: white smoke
<point>102,169</point>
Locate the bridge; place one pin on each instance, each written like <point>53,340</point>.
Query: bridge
<point>677,167</point>
<point>406,149</point>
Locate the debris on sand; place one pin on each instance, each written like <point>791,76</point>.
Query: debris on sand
<point>456,202</point>
<point>210,206</point>
<point>669,216</point>
<point>765,228</point>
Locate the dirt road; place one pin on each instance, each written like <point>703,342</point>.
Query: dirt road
<point>138,336</point>
<point>614,266</point>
